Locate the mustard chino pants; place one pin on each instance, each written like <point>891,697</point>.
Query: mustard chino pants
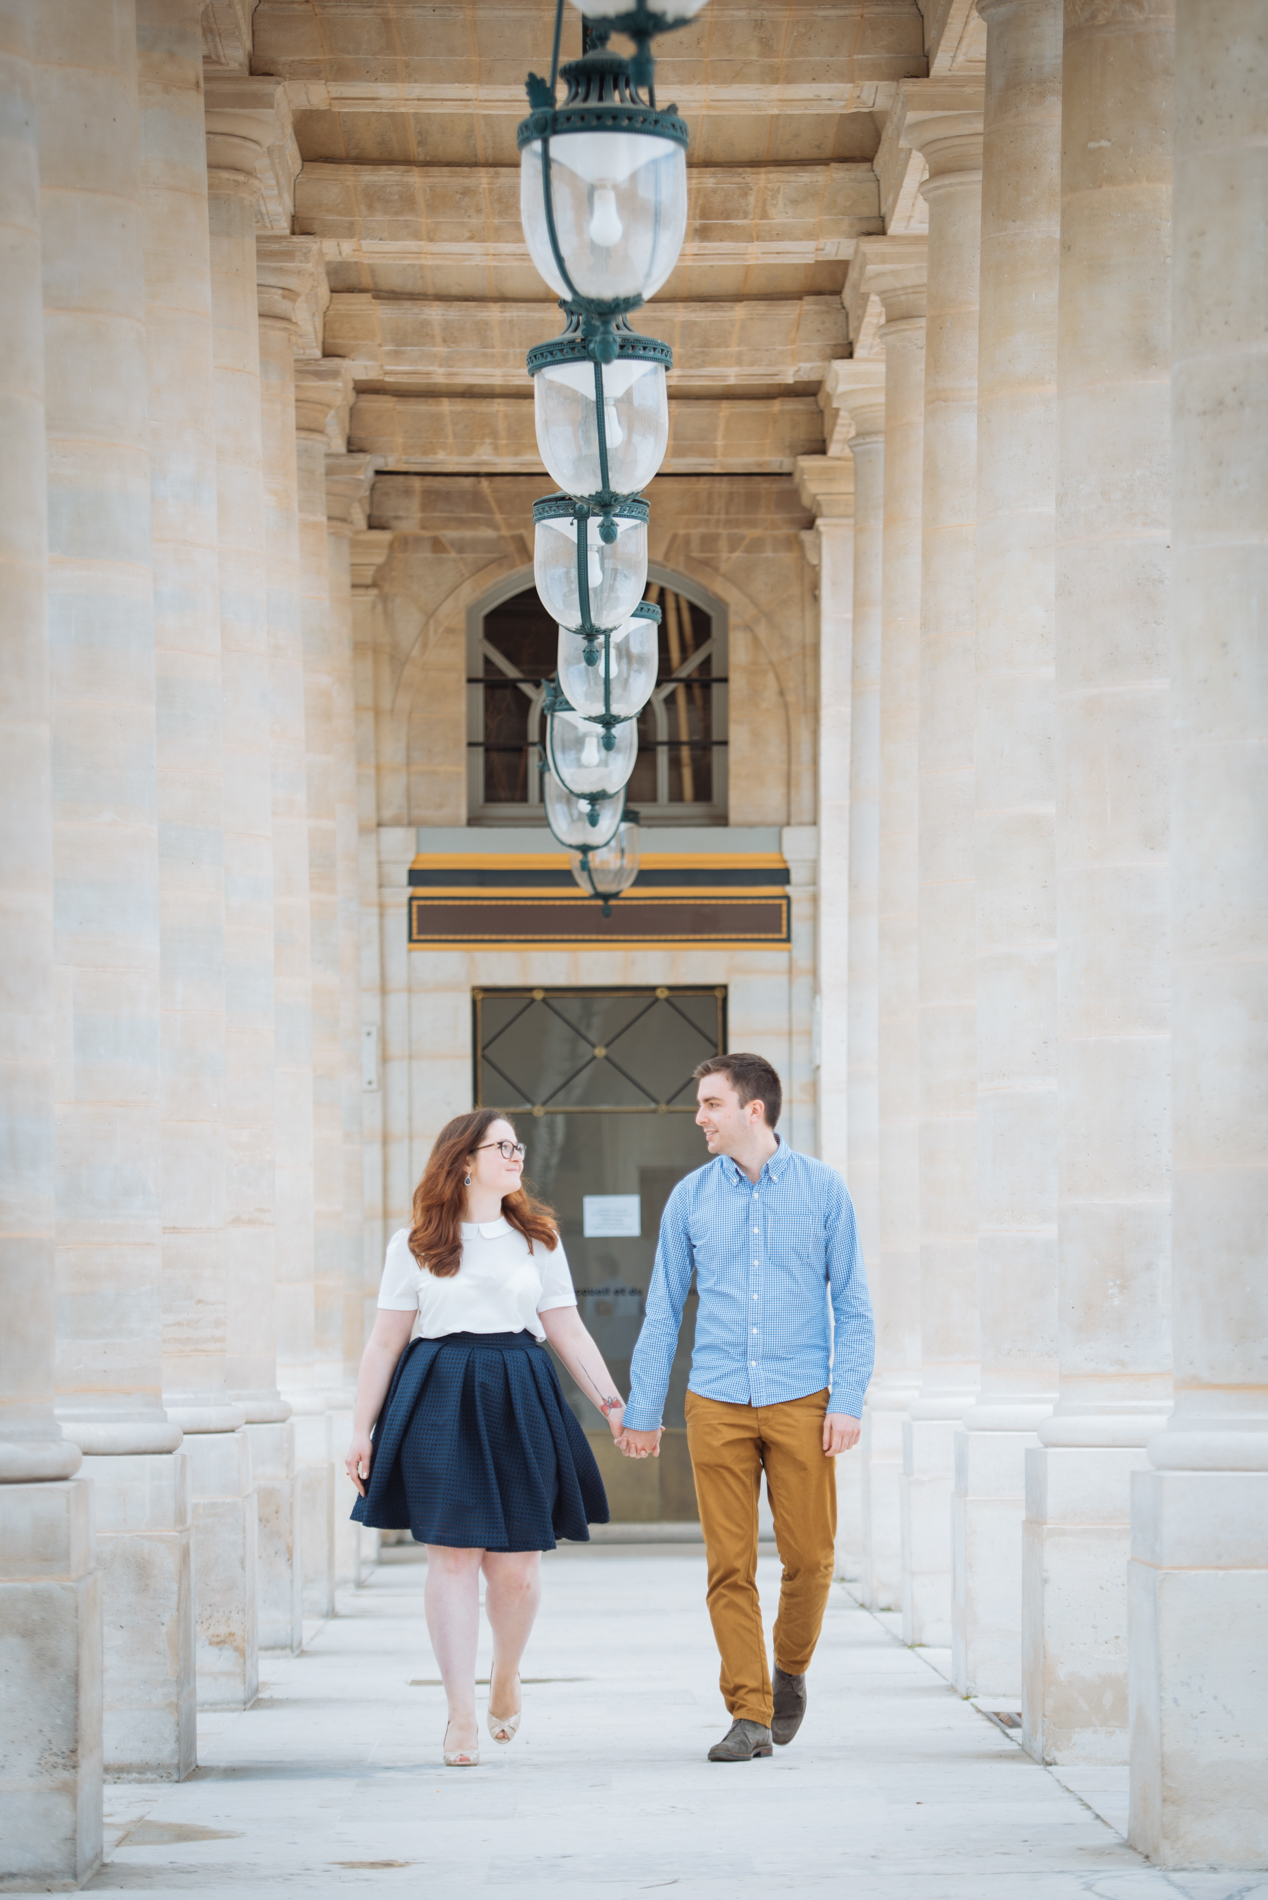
<point>730,1446</point>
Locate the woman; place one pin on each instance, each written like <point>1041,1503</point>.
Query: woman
<point>475,1449</point>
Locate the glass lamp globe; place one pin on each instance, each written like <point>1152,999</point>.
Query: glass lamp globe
<point>576,754</point>
<point>622,679</point>
<point>583,580</point>
<point>614,173</point>
<point>578,822</point>
<point>611,870</point>
<point>570,393</point>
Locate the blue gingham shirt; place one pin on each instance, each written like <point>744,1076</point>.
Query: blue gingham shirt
<point>772,1260</point>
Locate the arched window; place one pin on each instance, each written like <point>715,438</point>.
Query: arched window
<point>512,650</point>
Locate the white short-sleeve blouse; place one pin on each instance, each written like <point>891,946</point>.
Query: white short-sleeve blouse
<point>500,1286</point>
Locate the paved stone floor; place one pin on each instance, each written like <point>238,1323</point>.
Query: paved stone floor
<point>894,1790</point>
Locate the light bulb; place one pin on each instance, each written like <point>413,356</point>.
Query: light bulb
<point>605,225</point>
<point>611,426</point>
<point>590,755</point>
<point>595,569</point>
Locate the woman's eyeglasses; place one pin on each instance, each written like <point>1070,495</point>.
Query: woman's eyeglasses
<point>509,1150</point>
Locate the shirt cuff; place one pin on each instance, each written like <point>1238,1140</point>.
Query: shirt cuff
<point>640,1418</point>
<point>848,1400</point>
<point>549,1304</point>
<point>398,1306</point>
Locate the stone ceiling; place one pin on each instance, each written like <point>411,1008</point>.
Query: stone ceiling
<point>405,117</point>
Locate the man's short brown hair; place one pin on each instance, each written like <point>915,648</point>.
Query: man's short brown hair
<point>751,1077</point>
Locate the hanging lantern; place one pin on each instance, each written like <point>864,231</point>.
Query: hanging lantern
<point>586,757</point>
<point>608,871</point>
<point>603,186</point>
<point>581,823</point>
<point>592,579</point>
<point>614,675</point>
<point>602,427</point>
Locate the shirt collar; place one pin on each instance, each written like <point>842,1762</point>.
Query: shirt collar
<point>487,1229</point>
<point>771,1168</point>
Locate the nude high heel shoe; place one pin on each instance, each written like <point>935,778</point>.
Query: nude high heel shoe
<point>460,1757</point>
<point>502,1727</point>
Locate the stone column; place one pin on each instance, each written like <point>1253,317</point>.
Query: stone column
<point>106,898</point>
<point>1113,761</point>
<point>347,488</point>
<point>943,120</point>
<point>50,1717</point>
<point>1014,850</point>
<point>249,1481</point>
<point>281,267</point>
<point>894,270</point>
<point>825,484</point>
<point>323,391</point>
<point>191,768</point>
<point>1198,1579</point>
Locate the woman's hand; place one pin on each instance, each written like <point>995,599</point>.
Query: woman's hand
<point>615,1415</point>
<point>357,1461</point>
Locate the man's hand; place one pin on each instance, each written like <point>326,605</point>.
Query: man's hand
<point>640,1444</point>
<point>840,1433</point>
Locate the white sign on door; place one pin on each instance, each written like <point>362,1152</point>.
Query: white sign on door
<point>611,1216</point>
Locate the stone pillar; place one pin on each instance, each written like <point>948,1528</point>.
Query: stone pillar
<point>1113,761</point>
<point>1198,1579</point>
<point>50,1716</point>
<point>895,270</point>
<point>347,488</point>
<point>249,1484</point>
<point>285,269</point>
<point>825,484</point>
<point>943,120</point>
<point>106,897</point>
<point>1014,824</point>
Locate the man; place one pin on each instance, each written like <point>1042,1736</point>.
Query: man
<point>770,1235</point>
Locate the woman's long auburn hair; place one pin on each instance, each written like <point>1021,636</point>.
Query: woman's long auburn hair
<point>435,1239</point>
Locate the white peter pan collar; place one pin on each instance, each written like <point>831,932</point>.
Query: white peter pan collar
<point>487,1229</point>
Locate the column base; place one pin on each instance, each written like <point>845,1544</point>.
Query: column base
<point>50,1714</point>
<point>1198,1595</point>
<point>227,1656</point>
<point>145,1566</point>
<point>1075,1546</point>
<point>881,1474</point>
<point>928,1477</point>
<point>279,1606</point>
<point>988,1505</point>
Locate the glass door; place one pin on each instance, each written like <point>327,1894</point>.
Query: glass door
<point>598,1082</point>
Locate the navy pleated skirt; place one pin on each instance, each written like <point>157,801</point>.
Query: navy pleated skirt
<point>475,1447</point>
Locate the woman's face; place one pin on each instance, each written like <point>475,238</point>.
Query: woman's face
<point>488,1168</point>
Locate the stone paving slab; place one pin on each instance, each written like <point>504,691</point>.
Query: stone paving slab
<point>895,1789</point>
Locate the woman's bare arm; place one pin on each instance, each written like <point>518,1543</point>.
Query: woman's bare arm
<point>567,1334</point>
<point>378,1362</point>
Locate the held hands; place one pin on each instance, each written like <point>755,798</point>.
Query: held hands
<point>357,1461</point>
<point>840,1433</point>
<point>640,1444</point>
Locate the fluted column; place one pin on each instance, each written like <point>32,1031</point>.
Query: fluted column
<point>1014,826</point>
<point>1198,1578</point>
<point>943,120</point>
<point>299,1295</point>
<point>50,1741</point>
<point>898,277</point>
<point>1113,759</point>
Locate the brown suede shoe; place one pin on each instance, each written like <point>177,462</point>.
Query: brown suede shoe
<point>745,1742</point>
<point>790,1706</point>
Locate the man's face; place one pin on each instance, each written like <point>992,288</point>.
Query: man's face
<point>725,1120</point>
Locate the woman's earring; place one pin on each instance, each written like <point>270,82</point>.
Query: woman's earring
<point>466,1180</point>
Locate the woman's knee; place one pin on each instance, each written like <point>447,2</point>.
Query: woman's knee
<point>451,1561</point>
